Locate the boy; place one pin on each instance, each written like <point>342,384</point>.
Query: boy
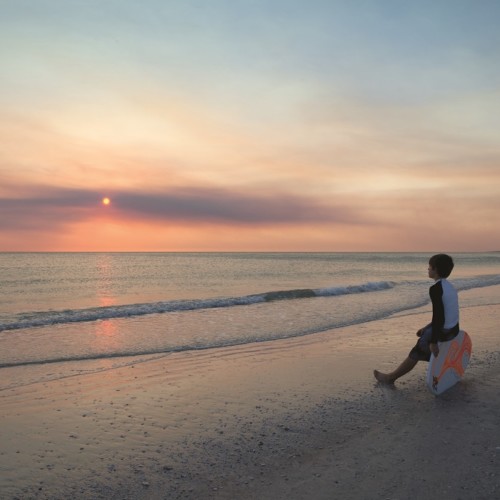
<point>444,325</point>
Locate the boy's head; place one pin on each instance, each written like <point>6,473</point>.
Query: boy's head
<point>442,264</point>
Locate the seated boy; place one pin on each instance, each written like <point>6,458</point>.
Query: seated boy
<point>444,325</point>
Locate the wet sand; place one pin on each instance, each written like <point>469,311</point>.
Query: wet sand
<point>299,418</point>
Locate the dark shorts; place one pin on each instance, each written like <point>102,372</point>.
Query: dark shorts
<point>421,350</point>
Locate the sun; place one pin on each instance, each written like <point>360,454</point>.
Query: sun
<point>106,201</point>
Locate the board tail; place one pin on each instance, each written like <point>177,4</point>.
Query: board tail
<point>456,361</point>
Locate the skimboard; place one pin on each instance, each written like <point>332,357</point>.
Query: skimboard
<point>448,368</point>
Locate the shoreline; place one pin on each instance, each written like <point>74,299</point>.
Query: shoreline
<point>298,418</point>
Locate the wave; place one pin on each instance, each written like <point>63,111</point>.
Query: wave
<point>49,318</point>
<point>476,282</point>
<point>410,295</point>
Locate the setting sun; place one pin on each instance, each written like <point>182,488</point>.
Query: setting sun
<point>106,201</point>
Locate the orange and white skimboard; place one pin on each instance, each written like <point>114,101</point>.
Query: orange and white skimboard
<point>448,368</point>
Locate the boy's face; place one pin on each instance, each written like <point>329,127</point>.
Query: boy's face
<point>432,273</point>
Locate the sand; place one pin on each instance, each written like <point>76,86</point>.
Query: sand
<point>298,418</point>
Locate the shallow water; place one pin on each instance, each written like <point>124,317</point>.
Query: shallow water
<point>102,308</point>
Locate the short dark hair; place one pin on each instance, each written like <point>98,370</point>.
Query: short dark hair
<point>442,263</point>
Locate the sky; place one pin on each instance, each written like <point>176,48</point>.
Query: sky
<point>249,125</point>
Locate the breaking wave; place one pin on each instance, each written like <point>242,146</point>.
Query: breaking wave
<point>47,318</point>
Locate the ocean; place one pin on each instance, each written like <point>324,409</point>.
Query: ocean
<point>62,314</point>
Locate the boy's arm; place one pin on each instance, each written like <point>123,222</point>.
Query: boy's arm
<point>436,294</point>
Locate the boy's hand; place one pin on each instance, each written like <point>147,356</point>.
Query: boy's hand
<point>434,349</point>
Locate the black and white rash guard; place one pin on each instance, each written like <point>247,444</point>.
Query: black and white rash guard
<point>444,299</point>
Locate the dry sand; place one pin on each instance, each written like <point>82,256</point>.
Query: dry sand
<point>300,418</point>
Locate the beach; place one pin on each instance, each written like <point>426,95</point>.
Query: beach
<point>222,228</point>
<point>292,418</point>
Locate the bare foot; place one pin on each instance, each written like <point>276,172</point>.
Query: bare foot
<point>383,377</point>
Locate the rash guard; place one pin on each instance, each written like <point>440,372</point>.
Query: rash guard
<point>444,299</point>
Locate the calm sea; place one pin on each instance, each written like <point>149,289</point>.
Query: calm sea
<point>65,313</point>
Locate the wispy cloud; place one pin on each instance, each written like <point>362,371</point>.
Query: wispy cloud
<point>40,206</point>
<point>220,205</point>
<point>44,207</point>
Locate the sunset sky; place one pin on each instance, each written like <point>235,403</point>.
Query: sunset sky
<point>248,125</point>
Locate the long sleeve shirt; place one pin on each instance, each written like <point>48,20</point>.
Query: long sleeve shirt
<point>444,299</point>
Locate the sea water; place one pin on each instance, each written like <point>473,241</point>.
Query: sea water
<point>68,313</point>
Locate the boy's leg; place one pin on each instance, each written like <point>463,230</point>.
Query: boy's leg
<point>420,352</point>
<point>388,378</point>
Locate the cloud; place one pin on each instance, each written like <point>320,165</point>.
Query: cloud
<point>44,207</point>
<point>38,207</point>
<point>226,206</point>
